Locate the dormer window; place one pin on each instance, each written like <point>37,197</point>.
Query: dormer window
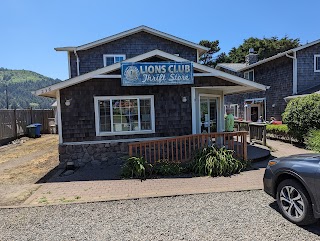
<point>110,59</point>
<point>317,63</point>
<point>249,75</point>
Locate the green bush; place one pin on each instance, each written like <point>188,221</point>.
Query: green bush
<point>301,115</point>
<point>212,161</point>
<point>166,168</point>
<point>313,140</point>
<point>277,129</point>
<point>136,167</point>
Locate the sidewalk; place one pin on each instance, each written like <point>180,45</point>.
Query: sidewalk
<point>90,191</point>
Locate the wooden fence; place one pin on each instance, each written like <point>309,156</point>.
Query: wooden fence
<point>181,148</point>
<point>13,123</point>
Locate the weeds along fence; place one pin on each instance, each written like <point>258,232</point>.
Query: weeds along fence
<point>13,123</point>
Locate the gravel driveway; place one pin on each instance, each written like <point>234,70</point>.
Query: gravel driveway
<point>247,215</point>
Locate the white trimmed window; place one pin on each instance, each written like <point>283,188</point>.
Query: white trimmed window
<point>234,110</point>
<point>317,63</point>
<point>249,75</point>
<point>109,59</point>
<point>124,115</point>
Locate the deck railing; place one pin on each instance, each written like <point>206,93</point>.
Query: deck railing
<point>258,133</point>
<point>182,148</point>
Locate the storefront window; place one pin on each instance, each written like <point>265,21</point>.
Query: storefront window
<point>121,115</point>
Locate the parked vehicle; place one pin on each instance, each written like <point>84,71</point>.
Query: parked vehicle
<point>294,181</point>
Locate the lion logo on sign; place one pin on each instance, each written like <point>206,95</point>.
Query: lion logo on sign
<point>132,73</point>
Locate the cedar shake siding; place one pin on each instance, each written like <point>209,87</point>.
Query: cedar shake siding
<point>130,46</point>
<point>172,116</point>
<point>307,78</point>
<point>278,75</point>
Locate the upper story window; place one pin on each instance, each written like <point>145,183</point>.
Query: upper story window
<point>109,59</point>
<point>124,115</point>
<point>249,75</point>
<point>317,63</point>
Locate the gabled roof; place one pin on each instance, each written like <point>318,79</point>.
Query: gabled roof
<point>242,66</point>
<point>280,55</point>
<point>235,67</point>
<point>142,28</point>
<point>50,91</point>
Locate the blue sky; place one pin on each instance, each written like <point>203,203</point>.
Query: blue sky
<point>30,29</point>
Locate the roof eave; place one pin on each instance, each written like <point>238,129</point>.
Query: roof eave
<point>65,49</point>
<point>266,60</point>
<point>158,33</point>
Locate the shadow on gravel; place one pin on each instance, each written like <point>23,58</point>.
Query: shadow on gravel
<point>314,228</point>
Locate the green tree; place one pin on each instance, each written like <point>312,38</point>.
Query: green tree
<point>265,47</point>
<point>222,58</point>
<point>207,58</point>
<point>302,114</point>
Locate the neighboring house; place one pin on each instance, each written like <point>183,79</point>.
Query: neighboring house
<point>140,84</point>
<point>288,74</point>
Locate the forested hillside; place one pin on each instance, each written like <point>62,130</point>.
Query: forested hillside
<point>19,84</point>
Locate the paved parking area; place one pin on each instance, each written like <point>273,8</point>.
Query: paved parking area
<point>247,215</point>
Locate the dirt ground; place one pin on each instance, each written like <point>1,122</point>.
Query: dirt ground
<point>24,163</point>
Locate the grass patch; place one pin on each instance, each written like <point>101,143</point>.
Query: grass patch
<point>43,200</point>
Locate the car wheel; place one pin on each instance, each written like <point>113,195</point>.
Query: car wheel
<point>294,203</point>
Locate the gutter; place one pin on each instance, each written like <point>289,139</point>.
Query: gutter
<point>78,61</point>
<point>294,72</point>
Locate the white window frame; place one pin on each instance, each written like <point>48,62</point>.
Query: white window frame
<point>235,106</point>
<point>114,56</point>
<point>315,62</point>
<point>133,97</point>
<point>225,107</point>
<point>247,73</point>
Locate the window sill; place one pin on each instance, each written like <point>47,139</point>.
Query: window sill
<point>124,133</point>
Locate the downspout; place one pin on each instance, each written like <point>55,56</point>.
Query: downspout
<point>78,61</point>
<point>294,73</point>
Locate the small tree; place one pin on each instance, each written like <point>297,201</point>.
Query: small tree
<point>207,58</point>
<point>302,114</point>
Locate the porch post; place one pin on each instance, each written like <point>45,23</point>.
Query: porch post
<point>222,112</point>
<point>193,110</point>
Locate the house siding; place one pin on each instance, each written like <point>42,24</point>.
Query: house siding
<point>307,78</point>
<point>276,74</point>
<point>172,116</point>
<point>131,46</point>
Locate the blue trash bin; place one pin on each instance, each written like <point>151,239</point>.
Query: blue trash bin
<point>34,130</point>
<point>38,129</point>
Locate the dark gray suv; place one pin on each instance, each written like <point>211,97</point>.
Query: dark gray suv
<point>294,181</point>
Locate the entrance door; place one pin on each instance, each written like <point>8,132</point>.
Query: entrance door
<point>254,113</point>
<point>208,114</point>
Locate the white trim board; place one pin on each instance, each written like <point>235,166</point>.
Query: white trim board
<point>315,62</point>
<point>143,28</point>
<point>59,116</point>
